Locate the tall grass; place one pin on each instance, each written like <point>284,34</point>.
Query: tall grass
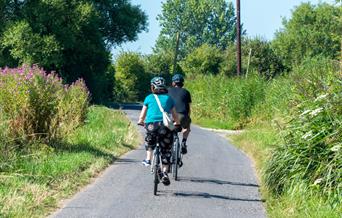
<point>293,132</point>
<point>225,102</point>
<point>33,183</point>
<point>311,153</point>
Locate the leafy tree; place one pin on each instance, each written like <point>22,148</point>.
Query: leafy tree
<point>131,79</point>
<point>30,47</point>
<point>204,60</point>
<point>198,22</point>
<point>160,64</point>
<point>312,30</point>
<point>70,36</point>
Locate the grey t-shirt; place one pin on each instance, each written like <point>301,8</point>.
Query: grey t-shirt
<point>182,99</point>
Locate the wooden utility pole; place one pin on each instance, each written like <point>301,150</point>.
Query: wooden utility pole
<point>238,40</point>
<point>176,54</point>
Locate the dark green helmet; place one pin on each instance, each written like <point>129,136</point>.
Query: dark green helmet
<point>158,82</point>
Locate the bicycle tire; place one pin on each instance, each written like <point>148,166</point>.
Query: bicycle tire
<point>156,171</point>
<point>176,168</point>
<point>156,179</point>
<point>175,165</point>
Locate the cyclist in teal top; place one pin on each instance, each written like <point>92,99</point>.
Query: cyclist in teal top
<point>153,113</point>
<point>152,118</point>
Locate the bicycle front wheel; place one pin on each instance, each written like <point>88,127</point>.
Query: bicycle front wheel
<point>156,169</point>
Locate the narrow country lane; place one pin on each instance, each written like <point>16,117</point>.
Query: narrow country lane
<point>217,180</point>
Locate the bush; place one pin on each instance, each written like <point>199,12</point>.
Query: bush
<point>35,105</point>
<point>131,80</point>
<point>263,58</point>
<point>204,60</point>
<point>311,152</point>
<point>228,67</point>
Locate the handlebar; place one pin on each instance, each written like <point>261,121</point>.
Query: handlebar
<point>141,124</point>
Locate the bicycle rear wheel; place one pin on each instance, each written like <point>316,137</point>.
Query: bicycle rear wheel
<point>176,159</point>
<point>156,179</point>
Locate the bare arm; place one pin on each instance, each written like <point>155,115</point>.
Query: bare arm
<point>175,116</point>
<point>142,114</point>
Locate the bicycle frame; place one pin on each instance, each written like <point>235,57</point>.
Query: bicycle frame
<point>156,167</point>
<point>176,156</point>
<point>156,153</point>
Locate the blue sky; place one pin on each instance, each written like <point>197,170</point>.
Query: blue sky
<point>259,17</point>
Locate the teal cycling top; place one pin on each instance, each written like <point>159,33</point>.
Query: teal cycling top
<point>153,112</point>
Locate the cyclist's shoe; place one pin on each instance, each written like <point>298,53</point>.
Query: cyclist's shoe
<point>160,174</point>
<point>165,179</point>
<point>146,163</point>
<point>180,163</point>
<point>184,149</point>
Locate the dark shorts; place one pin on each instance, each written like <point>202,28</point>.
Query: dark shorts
<point>157,131</point>
<point>185,120</point>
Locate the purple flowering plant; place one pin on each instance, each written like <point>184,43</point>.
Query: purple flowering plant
<point>35,104</point>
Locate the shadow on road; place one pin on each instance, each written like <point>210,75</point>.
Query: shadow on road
<point>207,195</point>
<point>126,161</point>
<point>215,181</point>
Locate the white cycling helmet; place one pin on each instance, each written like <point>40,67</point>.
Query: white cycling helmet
<point>158,82</point>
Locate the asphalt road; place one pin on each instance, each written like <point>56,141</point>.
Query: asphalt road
<point>217,180</point>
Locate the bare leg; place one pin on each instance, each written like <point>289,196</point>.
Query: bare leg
<point>165,167</point>
<point>186,133</point>
<point>149,154</point>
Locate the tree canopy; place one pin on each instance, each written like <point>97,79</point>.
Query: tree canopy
<point>131,79</point>
<point>72,37</point>
<point>198,22</point>
<point>312,30</point>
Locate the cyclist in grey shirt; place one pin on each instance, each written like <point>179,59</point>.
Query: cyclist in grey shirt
<point>182,99</point>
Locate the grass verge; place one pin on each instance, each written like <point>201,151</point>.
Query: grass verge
<point>211,123</point>
<point>35,182</point>
<point>299,201</point>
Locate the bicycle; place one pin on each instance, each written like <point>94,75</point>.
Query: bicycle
<point>156,165</point>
